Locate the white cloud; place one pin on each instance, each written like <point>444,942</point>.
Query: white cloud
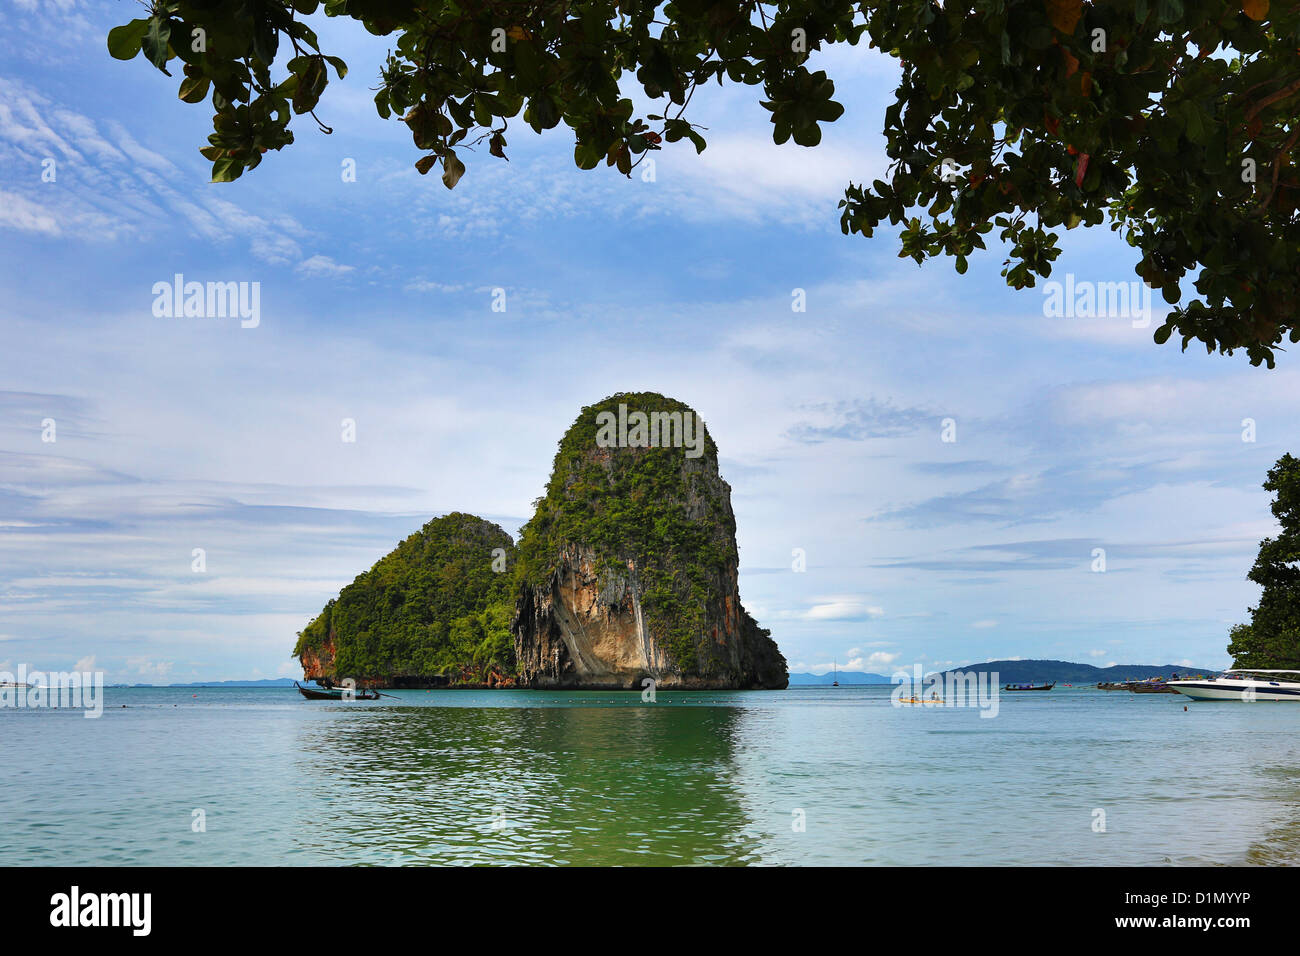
<point>17,212</point>
<point>148,670</point>
<point>878,663</point>
<point>135,152</point>
<point>747,176</point>
<point>109,186</point>
<point>425,285</point>
<point>843,610</point>
<point>319,265</point>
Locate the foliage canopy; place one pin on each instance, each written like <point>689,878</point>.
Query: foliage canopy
<point>435,606</point>
<point>1272,638</point>
<point>1174,119</point>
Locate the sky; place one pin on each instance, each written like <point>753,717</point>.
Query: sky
<point>1073,443</point>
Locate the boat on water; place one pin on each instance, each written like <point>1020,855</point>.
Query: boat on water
<point>336,693</point>
<point>1154,686</point>
<point>835,674</point>
<point>1029,686</point>
<point>1242,684</point>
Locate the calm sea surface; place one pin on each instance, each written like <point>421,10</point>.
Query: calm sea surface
<point>602,778</point>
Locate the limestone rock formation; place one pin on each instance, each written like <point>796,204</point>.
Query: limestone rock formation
<point>434,612</point>
<point>628,568</point>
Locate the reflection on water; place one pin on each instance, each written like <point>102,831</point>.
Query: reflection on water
<point>228,777</point>
<point>579,785</point>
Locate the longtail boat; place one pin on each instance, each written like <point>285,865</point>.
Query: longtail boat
<point>336,693</point>
<point>1030,686</point>
<point>1154,686</point>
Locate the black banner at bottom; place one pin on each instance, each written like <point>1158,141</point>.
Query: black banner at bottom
<point>340,904</point>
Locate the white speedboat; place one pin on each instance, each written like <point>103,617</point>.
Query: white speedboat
<point>1242,684</point>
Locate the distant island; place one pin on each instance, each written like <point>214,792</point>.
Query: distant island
<point>845,678</point>
<point>1022,671</point>
<point>1067,672</point>
<point>265,682</point>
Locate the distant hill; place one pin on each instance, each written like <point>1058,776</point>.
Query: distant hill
<point>270,682</point>
<point>1070,673</point>
<point>845,677</point>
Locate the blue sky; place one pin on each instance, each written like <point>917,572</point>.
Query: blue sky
<point>376,304</point>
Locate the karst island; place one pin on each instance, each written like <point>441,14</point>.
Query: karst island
<point>627,570</point>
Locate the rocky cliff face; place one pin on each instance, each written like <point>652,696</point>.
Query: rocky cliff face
<point>629,567</point>
<point>318,662</point>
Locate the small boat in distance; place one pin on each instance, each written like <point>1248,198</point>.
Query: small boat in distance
<point>1030,686</point>
<point>1155,685</point>
<point>1241,684</point>
<point>335,693</point>
<point>835,674</point>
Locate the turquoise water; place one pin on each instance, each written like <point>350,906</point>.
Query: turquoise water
<point>602,778</point>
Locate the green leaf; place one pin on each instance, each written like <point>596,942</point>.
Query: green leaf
<point>541,113</point>
<point>809,135</point>
<point>155,42</point>
<point>194,89</point>
<point>452,169</point>
<point>124,41</point>
<point>310,85</point>
<point>587,155</point>
<point>266,40</point>
<point>482,109</point>
<point>527,69</point>
<point>1196,130</point>
<point>226,170</point>
<point>1169,11</point>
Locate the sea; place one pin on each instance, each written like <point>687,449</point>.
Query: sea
<point>806,776</point>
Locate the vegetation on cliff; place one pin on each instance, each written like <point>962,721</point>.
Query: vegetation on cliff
<point>657,507</point>
<point>1272,638</point>
<point>437,606</point>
